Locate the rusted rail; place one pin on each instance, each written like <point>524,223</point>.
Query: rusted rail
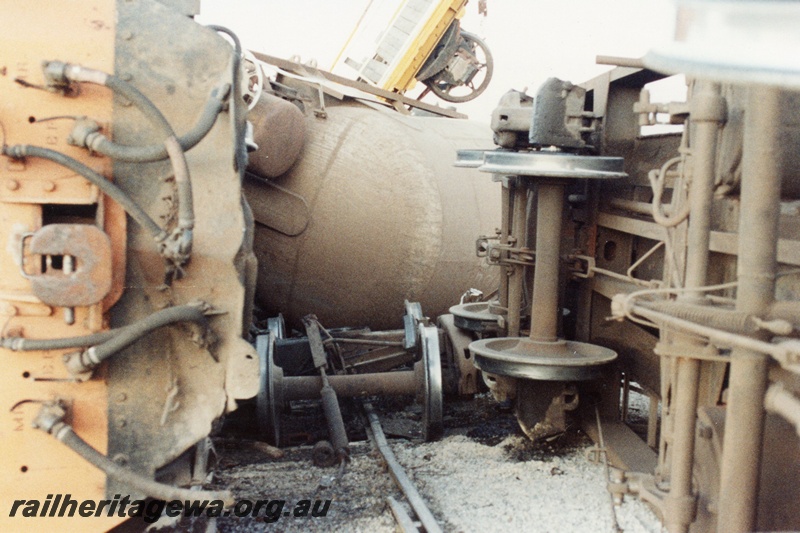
<point>399,475</point>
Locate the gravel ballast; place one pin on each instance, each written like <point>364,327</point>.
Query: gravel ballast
<point>484,475</point>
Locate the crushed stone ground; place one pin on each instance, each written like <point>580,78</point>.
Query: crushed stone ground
<point>483,476</point>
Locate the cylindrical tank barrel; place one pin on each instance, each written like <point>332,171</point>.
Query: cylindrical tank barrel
<point>279,130</point>
<point>373,213</point>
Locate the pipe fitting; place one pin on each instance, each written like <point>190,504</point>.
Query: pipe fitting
<point>50,417</point>
<point>81,364</point>
<point>97,142</point>
<point>59,75</point>
<point>708,106</point>
<point>177,247</point>
<point>791,353</point>
<point>16,151</point>
<point>620,306</point>
<point>55,76</point>
<point>84,133</point>
<point>51,420</point>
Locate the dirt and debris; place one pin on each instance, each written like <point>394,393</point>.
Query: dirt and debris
<point>358,498</point>
<point>484,475</point>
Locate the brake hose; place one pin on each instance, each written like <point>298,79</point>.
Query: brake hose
<point>80,363</point>
<point>109,188</point>
<point>51,420</point>
<point>121,337</point>
<point>178,247</point>
<point>87,134</point>
<point>240,159</point>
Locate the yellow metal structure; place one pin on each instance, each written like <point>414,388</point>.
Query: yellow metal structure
<point>415,29</point>
<point>31,460</point>
<point>401,79</point>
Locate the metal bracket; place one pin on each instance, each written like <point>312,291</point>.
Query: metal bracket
<point>482,245</point>
<point>315,341</point>
<point>648,112</point>
<point>677,510</point>
<point>505,254</point>
<point>85,274</point>
<point>591,264</point>
<point>412,317</point>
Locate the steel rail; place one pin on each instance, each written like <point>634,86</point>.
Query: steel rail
<point>399,475</point>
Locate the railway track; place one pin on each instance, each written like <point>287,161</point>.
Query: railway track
<point>484,475</point>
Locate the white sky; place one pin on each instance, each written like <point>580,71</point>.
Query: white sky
<point>530,40</point>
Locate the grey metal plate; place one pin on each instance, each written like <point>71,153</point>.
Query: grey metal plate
<point>736,42</point>
<point>553,165</point>
<point>475,316</point>
<point>551,361</point>
<point>683,59</point>
<point>470,158</point>
<point>475,311</point>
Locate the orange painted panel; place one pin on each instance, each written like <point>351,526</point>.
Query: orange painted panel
<point>33,464</point>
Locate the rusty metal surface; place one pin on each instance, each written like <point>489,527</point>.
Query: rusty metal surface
<point>542,406</point>
<point>305,70</point>
<point>166,391</point>
<point>87,251</point>
<point>390,219</point>
<point>459,373</point>
<point>279,130</point>
<point>780,466</point>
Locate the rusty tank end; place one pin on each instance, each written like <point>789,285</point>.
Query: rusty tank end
<point>372,213</point>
